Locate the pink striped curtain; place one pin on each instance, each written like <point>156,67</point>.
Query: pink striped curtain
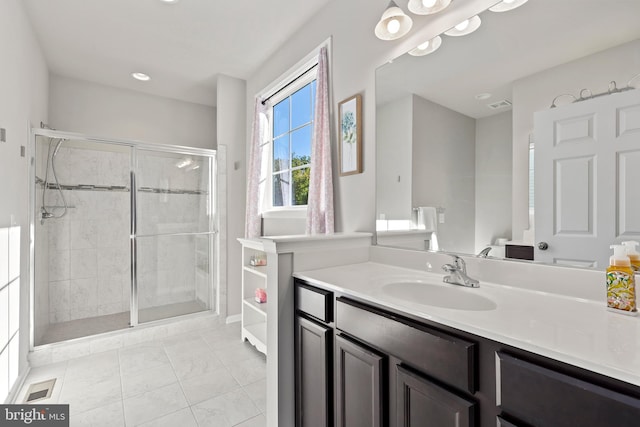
<point>320,202</point>
<point>257,172</point>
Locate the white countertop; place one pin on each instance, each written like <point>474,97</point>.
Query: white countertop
<point>572,330</point>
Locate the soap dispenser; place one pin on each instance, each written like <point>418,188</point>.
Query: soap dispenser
<point>633,254</point>
<point>621,287</point>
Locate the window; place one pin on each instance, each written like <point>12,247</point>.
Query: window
<point>291,129</point>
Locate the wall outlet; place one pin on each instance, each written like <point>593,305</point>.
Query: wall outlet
<point>441,218</point>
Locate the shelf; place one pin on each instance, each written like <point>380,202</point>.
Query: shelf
<point>259,271</point>
<point>260,308</point>
<point>257,336</point>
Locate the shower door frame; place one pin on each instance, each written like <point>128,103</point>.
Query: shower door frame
<point>214,246</point>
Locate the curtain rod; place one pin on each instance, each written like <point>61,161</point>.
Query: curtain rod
<point>264,101</point>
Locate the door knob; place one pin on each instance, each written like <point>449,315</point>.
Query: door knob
<point>543,246</point>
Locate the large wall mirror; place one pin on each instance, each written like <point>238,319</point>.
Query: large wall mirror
<point>470,154</point>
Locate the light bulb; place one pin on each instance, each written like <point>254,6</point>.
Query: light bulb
<point>431,3</point>
<point>424,45</point>
<point>393,26</point>
<point>463,25</point>
<point>508,1</point>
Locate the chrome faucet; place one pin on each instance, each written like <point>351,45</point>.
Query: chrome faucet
<point>485,252</point>
<point>458,276</point>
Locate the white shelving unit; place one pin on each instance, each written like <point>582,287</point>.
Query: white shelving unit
<point>254,314</point>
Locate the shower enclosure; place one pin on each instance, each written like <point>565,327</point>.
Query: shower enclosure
<point>123,233</point>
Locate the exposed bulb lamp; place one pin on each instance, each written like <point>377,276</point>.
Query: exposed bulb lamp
<point>467,26</point>
<point>427,47</point>
<point>507,5</point>
<point>427,7</point>
<point>393,24</point>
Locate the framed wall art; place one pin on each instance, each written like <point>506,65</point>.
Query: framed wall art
<point>350,131</point>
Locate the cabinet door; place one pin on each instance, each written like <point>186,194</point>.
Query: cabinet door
<point>313,374</point>
<point>358,386</point>
<point>423,403</point>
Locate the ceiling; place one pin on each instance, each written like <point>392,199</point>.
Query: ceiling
<point>507,47</point>
<point>183,46</point>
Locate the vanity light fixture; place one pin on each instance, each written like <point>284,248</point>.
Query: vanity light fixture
<point>507,5</point>
<point>393,24</point>
<point>467,26</point>
<point>428,7</point>
<point>427,47</point>
<point>141,76</point>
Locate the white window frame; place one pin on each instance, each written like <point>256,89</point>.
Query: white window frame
<point>293,83</point>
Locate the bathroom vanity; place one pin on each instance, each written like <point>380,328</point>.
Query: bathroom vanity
<point>379,345</point>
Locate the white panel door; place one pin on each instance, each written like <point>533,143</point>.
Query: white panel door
<point>588,196</point>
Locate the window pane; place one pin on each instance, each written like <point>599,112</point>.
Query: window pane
<point>301,107</point>
<point>281,153</point>
<point>281,117</point>
<point>281,189</point>
<point>301,146</point>
<point>300,186</point>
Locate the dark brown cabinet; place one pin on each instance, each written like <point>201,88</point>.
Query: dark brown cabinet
<point>542,397</point>
<point>313,373</point>
<point>359,395</point>
<point>420,402</point>
<point>361,364</point>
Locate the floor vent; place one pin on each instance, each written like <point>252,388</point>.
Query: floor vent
<point>39,391</point>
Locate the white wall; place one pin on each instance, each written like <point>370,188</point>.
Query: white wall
<point>23,104</point>
<point>444,172</point>
<point>536,92</point>
<point>493,179</point>
<point>356,53</point>
<point>394,134</point>
<point>231,134</point>
<point>99,110</point>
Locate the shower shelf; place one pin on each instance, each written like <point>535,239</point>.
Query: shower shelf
<point>122,188</point>
<point>59,207</point>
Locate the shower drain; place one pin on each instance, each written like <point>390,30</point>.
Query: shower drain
<point>39,391</point>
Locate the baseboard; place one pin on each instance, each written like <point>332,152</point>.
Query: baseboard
<point>233,319</point>
<point>17,387</point>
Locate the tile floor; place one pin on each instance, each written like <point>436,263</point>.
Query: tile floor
<point>206,378</point>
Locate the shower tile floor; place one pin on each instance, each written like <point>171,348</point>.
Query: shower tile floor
<point>64,331</point>
<point>206,378</point>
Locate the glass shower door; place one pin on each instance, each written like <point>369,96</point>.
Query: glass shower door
<point>173,234</point>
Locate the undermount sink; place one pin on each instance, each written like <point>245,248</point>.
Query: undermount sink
<point>444,296</point>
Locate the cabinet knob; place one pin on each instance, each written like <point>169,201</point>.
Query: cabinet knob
<point>543,246</point>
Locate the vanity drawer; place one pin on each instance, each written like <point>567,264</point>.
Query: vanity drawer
<point>314,301</point>
<point>543,397</point>
<point>442,356</point>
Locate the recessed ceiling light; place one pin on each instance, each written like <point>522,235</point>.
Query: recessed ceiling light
<point>141,76</point>
<point>483,96</point>
<point>467,26</point>
<point>169,1</point>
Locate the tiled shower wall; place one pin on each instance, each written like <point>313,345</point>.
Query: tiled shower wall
<point>89,262</point>
<point>89,265</point>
